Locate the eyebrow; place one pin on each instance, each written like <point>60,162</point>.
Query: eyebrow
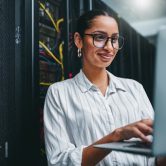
<point>102,32</point>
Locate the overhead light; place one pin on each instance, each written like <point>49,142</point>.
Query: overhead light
<point>143,4</point>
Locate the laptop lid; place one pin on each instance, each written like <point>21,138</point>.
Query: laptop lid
<point>159,145</point>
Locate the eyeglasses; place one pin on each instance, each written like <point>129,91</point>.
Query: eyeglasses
<point>100,40</point>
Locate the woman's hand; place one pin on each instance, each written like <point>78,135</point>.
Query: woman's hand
<point>138,129</point>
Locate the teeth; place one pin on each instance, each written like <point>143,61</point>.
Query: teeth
<point>105,55</point>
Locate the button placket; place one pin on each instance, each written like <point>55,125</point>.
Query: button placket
<point>110,123</point>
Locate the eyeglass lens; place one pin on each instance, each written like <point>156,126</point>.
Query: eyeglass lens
<point>101,40</point>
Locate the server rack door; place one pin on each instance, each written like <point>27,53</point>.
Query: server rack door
<point>18,95</point>
<point>7,64</point>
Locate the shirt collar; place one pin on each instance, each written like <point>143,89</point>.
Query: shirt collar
<point>115,83</point>
<point>82,82</point>
<point>85,85</point>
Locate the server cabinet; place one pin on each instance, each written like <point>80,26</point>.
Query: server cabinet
<point>19,134</point>
<point>7,65</point>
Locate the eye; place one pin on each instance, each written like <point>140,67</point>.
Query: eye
<point>100,37</point>
<point>114,39</point>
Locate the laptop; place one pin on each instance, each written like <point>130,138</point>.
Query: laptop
<point>158,144</point>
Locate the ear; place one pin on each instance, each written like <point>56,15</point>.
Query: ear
<point>78,40</point>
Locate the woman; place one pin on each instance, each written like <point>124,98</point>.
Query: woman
<point>95,106</point>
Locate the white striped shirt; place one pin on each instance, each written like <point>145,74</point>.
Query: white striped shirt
<point>76,114</point>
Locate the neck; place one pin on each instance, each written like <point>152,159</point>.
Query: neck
<point>99,77</point>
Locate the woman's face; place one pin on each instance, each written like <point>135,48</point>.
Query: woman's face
<point>94,57</point>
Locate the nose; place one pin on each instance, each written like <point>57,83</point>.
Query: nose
<point>108,45</point>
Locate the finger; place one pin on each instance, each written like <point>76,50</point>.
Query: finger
<point>144,128</point>
<point>140,135</point>
<point>148,122</point>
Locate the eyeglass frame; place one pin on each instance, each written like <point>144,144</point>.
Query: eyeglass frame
<point>108,38</point>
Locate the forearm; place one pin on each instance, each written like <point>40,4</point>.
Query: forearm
<point>91,155</point>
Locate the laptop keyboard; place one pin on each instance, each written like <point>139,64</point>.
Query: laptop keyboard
<point>139,144</point>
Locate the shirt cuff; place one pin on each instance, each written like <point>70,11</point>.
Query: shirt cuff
<point>76,156</point>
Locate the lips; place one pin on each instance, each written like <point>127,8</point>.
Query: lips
<point>105,56</point>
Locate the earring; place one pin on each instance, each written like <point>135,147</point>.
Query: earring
<point>79,53</point>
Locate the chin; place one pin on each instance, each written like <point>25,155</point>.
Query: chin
<point>106,64</point>
<point>103,66</point>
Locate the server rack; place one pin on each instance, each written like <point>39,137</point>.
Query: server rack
<point>18,90</point>
<point>50,53</point>
<point>7,112</point>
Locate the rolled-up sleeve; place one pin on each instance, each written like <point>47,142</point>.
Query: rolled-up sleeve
<point>60,150</point>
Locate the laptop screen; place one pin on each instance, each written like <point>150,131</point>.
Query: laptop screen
<point>160,94</point>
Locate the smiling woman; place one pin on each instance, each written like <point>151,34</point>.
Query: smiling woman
<point>97,43</point>
<point>95,106</point>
